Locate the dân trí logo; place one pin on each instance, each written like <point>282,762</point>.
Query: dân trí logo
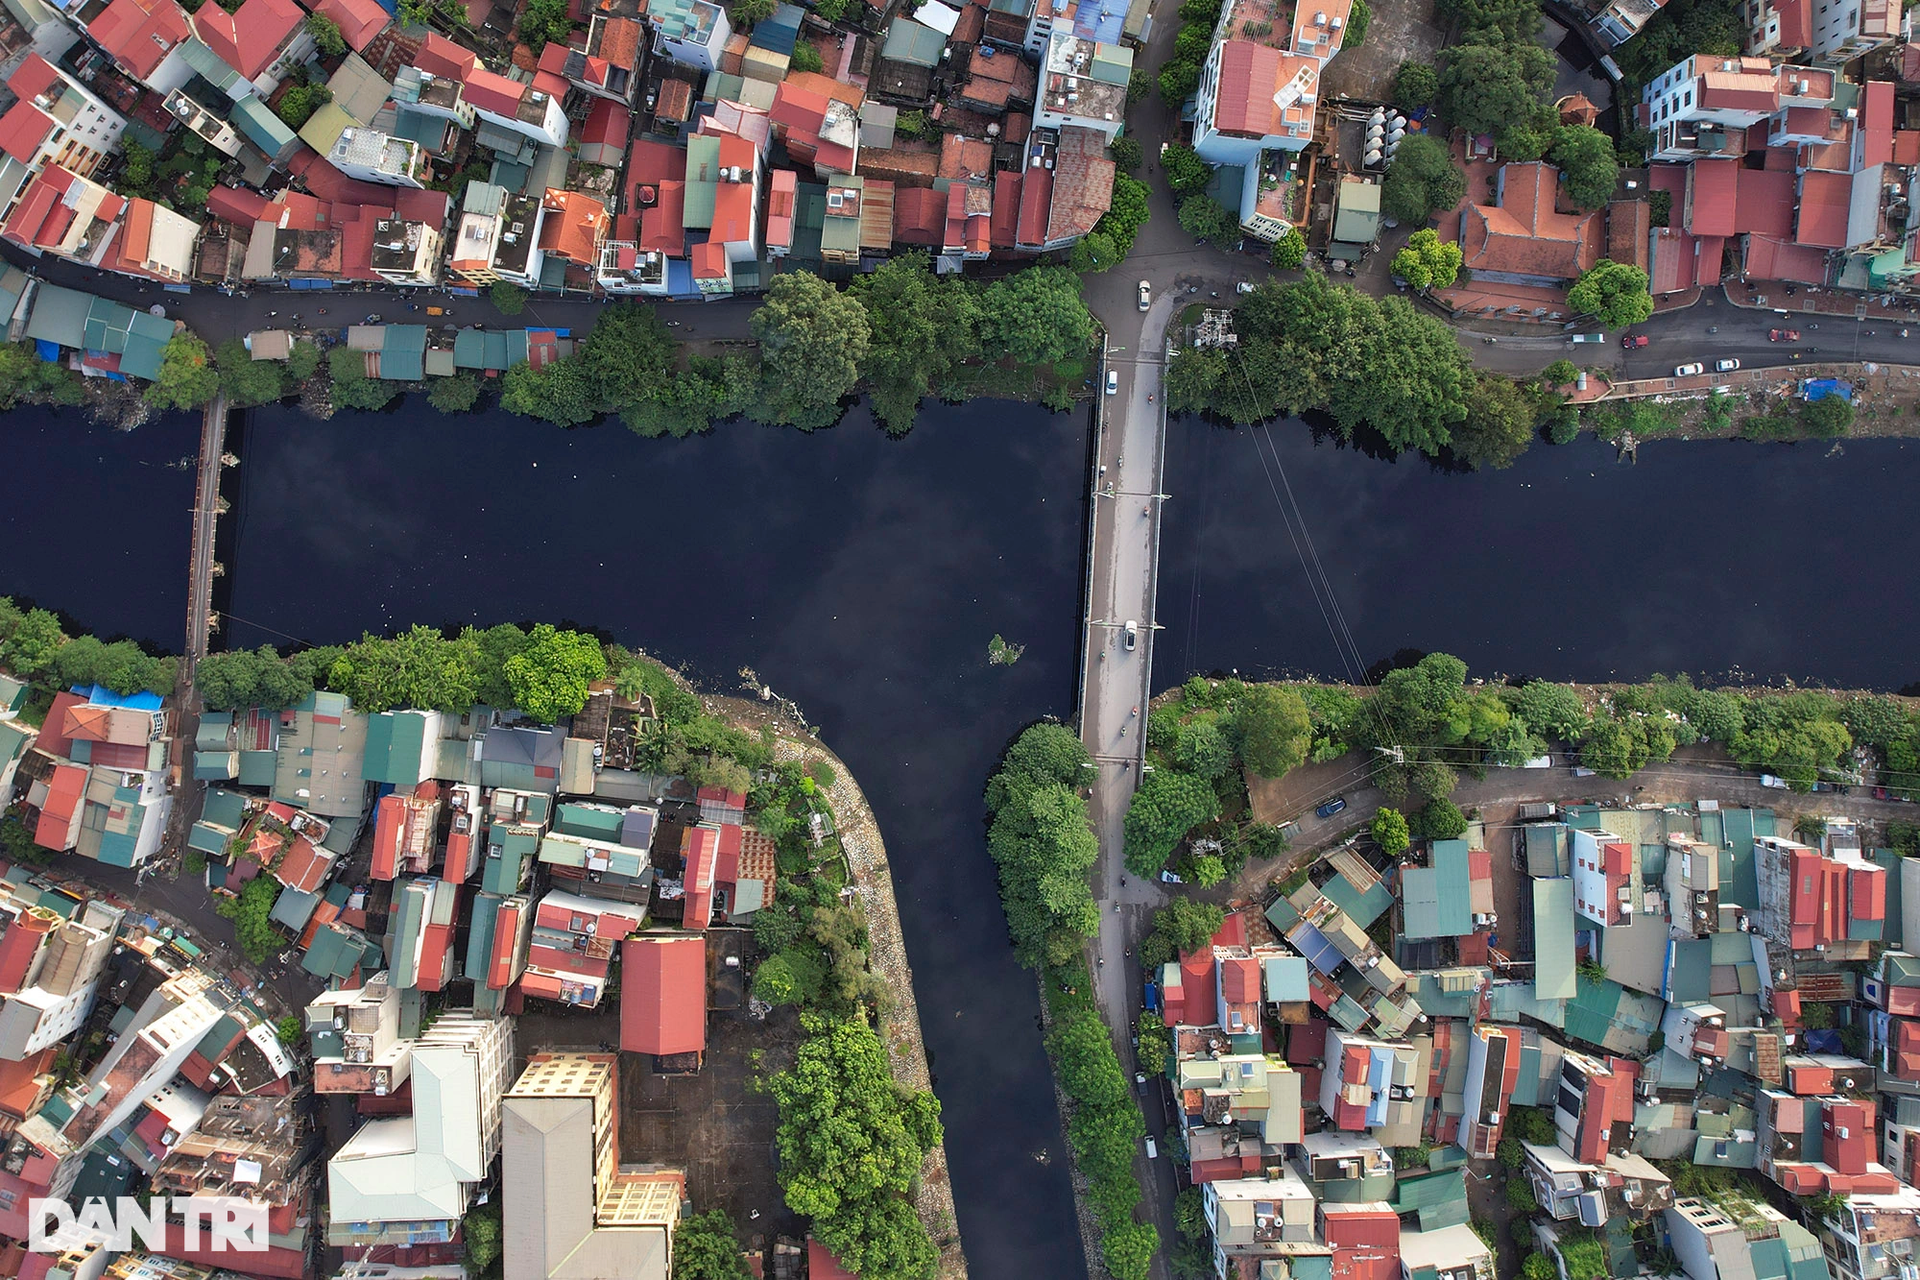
<point>228,1222</point>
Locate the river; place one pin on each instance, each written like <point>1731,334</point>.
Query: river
<point>863,577</point>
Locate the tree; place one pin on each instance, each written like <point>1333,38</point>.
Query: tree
<point>1620,745</point>
<point>1498,426</point>
<point>1126,214</point>
<point>1189,1213</point>
<point>326,35</point>
<point>812,340</point>
<point>1128,1249</point>
<point>1273,728</point>
<point>1554,709</point>
<point>922,328</point>
<point>1428,262</point>
<point>252,929</point>
<point>247,382</point>
<point>1827,417</point>
<point>1184,168</point>
<point>748,12</point>
<point>457,394</point>
<point>850,1144</point>
<point>1183,926</point>
<point>481,1231</point>
<point>1519,1196</point>
<point>1415,84</point>
<point>805,57</point>
<point>1036,316</point>
<point>419,668</point>
<point>1442,820</point>
<point>303,361</point>
<point>187,378</point>
<point>136,170</point>
<point>549,677</point>
<point>1084,1058</point>
<point>1614,291</point>
<point>351,387</point>
<point>1421,181</point>
<point>705,1248</point>
<point>629,356</point>
<point>1390,832</point>
<point>1165,808</point>
<point>1126,152</point>
<point>561,391</point>
<point>1358,21</point>
<point>300,101</point>
<point>1496,88</point>
<point>1290,250</point>
<point>508,299</point>
<point>544,22</point>
<point>1192,375</point>
<point>33,643</point>
<point>1589,167</point>
<point>1207,218</point>
<point>27,379</point>
<point>1178,79</point>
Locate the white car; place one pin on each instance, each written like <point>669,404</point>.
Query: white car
<point>1113,381</point>
<point>1133,633</point>
<point>1688,370</point>
<point>1243,287</point>
<point>1146,295</point>
<point>1725,366</point>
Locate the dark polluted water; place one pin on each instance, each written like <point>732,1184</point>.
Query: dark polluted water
<point>1761,562</point>
<point>864,577</point>
<point>860,576</point>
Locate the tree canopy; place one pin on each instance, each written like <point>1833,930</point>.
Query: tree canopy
<point>923,326</point>
<point>1421,181</point>
<point>1428,262</point>
<point>813,339</point>
<point>1498,426</point>
<point>1043,844</point>
<point>1588,164</point>
<point>1415,84</point>
<point>1501,89</point>
<point>1167,806</point>
<point>187,378</point>
<point>549,677</point>
<point>1616,292</point>
<point>1273,729</point>
<point>1036,316</point>
<point>246,381</point>
<point>705,1248</point>
<point>850,1143</point>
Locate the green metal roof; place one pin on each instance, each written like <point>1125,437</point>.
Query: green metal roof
<point>1356,218</point>
<point>294,907</point>
<point>1553,939</point>
<point>1362,908</point>
<point>215,766</point>
<point>486,910</point>
<point>223,807</point>
<point>209,64</point>
<point>703,183</point>
<point>403,353</point>
<point>256,768</point>
<point>60,315</point>
<point>396,740</point>
<point>913,43</point>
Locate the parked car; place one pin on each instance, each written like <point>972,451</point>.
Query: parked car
<point>1153,1152</point>
<point>1769,780</point>
<point>1146,295</point>
<point>1783,335</point>
<point>1167,877</point>
<point>1151,990</point>
<point>1331,807</point>
<point>1725,366</point>
<point>1113,381</point>
<point>1688,370</point>
<point>1630,341</point>
<point>1243,287</point>
<point>1133,633</point>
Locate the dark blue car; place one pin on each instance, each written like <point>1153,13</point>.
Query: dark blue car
<point>1331,807</point>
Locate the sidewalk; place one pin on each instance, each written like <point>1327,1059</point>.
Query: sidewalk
<point>1771,295</point>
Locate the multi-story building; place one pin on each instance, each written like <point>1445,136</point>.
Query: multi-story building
<point>145,39</point>
<point>1707,107</point>
<point>692,32</point>
<point>354,1036</point>
<point>57,120</point>
<point>1724,1241</point>
<point>1260,94</point>
<point>1083,85</point>
<point>407,1180</point>
<point>49,969</point>
<point>498,239</point>
<point>255,45</point>
<point>406,252</point>
<point>372,156</point>
<point>573,1212</point>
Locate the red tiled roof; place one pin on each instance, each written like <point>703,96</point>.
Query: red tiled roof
<point>1824,198</point>
<point>139,34</point>
<point>1006,208</point>
<point>1712,185</point>
<point>18,946</point>
<point>822,1265</point>
<point>606,123</point>
<point>1768,258</point>
<point>663,226</point>
<point>244,208</point>
<point>800,109</point>
<point>17,1087</point>
<point>1847,1135</point>
<point>1239,979</point>
<point>699,846</point>
<point>1765,203</point>
<point>505,958</point>
<point>23,129</point>
<point>1878,121</point>
<point>575,225</point>
<point>1867,893</point>
<point>1251,76</point>
<point>304,867</point>
<point>359,20</point>
<point>1906,145</point>
<point>663,995</point>
<point>782,187</point>
<point>249,39</point>
<point>33,76</point>
<point>64,791</point>
<point>1366,1243</point>
<point>1796,23</point>
<point>919,216</point>
<point>491,91</point>
<point>443,57</point>
<point>420,206</point>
